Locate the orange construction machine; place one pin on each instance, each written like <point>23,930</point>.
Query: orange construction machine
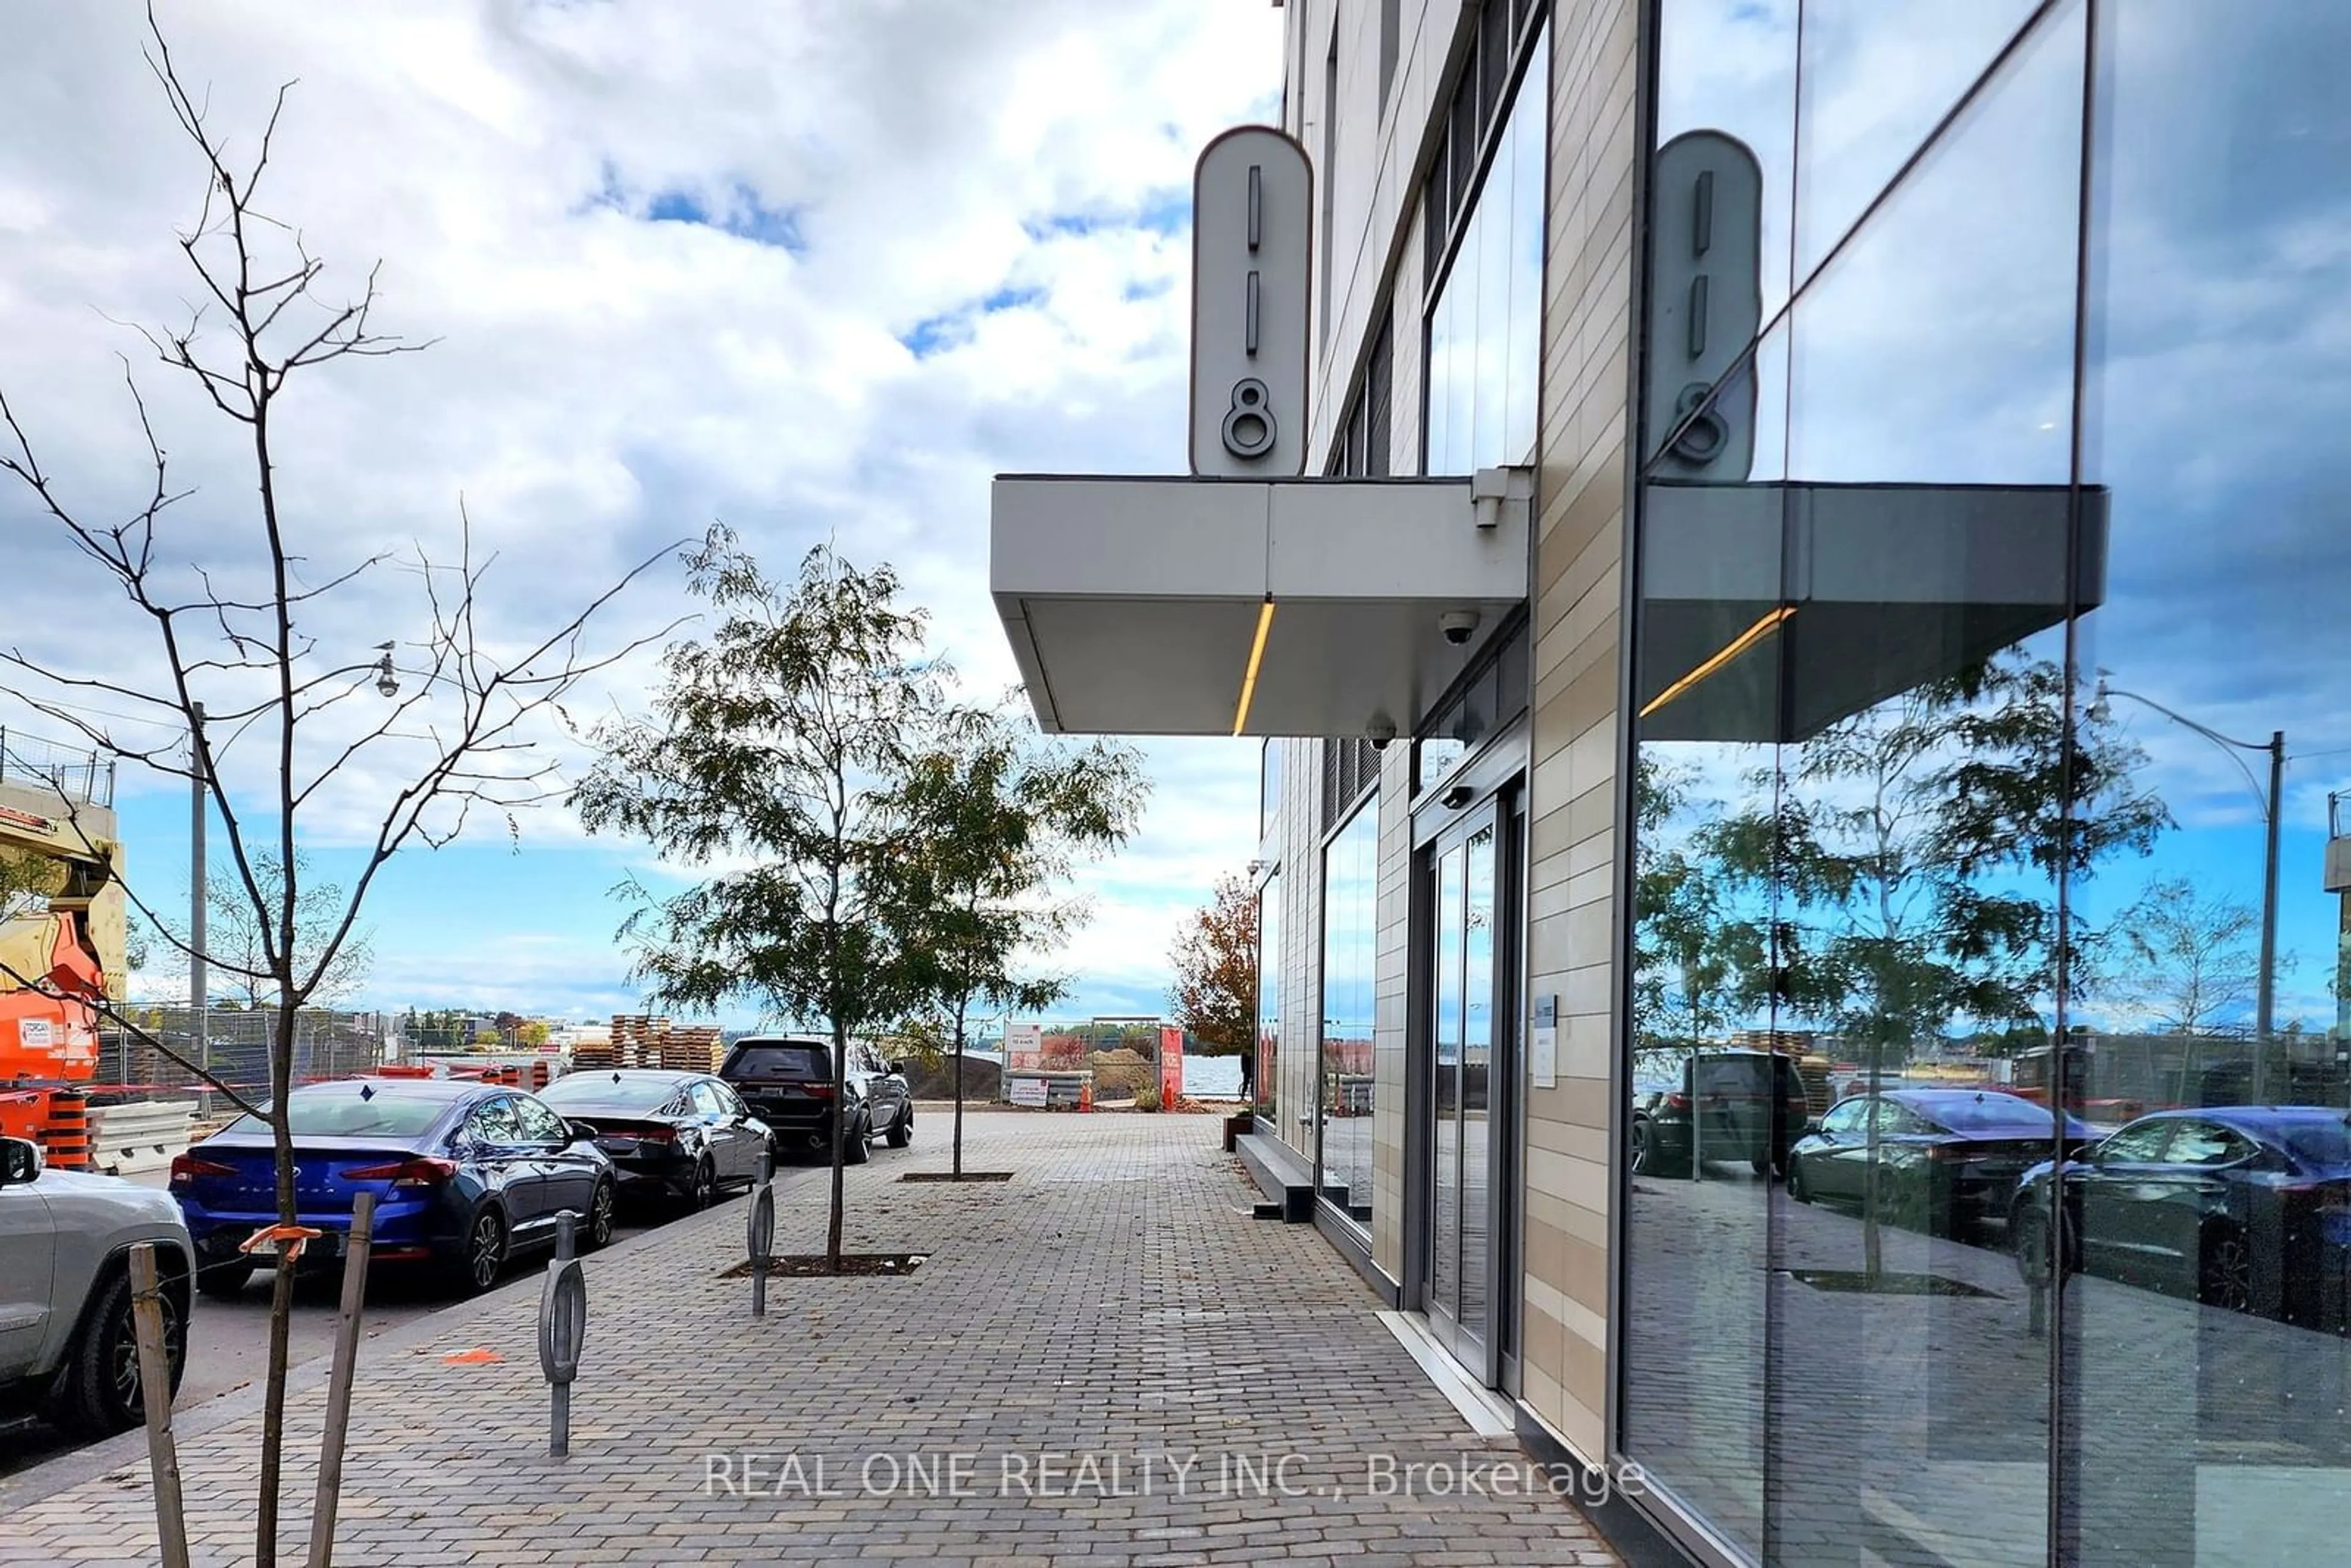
<point>61,954</point>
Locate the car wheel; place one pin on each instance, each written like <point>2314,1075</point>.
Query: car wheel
<point>2224,1274</point>
<point>483,1256</point>
<point>1648,1159</point>
<point>705,1190</point>
<point>599,1218</point>
<point>1796,1187</point>
<point>225,1281</point>
<point>101,1393</point>
<point>854,1149</point>
<point>902,1131</point>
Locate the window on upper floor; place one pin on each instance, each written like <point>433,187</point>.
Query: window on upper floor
<point>1361,443</point>
<point>1485,321</point>
<point>1506,32</point>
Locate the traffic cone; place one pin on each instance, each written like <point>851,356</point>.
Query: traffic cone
<point>66,1142</point>
<point>1085,1096</point>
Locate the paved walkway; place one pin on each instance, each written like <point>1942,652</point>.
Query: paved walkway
<point>1105,1361</point>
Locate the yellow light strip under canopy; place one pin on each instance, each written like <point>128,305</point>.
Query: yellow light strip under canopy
<point>1256,657</point>
<point>1762,628</point>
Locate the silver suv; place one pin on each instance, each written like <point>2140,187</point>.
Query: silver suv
<point>68,1349</point>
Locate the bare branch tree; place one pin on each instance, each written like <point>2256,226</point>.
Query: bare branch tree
<point>245,645</point>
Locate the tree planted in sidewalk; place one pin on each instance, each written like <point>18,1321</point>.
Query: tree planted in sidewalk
<point>769,763</point>
<point>995,821</point>
<point>1215,959</point>
<point>251,607</point>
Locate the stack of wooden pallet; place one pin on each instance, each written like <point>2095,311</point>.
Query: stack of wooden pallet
<point>645,1040</point>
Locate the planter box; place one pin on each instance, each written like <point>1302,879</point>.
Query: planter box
<point>1238,1125</point>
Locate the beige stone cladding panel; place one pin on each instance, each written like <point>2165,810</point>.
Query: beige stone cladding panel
<point>1577,732</point>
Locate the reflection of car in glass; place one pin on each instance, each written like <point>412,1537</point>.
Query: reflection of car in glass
<point>1729,1105</point>
<point>2247,1208</point>
<point>681,1134</point>
<point>1942,1159</point>
<point>465,1174</point>
<point>786,1081</point>
<point>68,1349</point>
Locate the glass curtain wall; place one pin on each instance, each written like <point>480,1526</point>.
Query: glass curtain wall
<point>1485,330</point>
<point>1267,1080</point>
<point>1990,1192</point>
<point>1350,959</point>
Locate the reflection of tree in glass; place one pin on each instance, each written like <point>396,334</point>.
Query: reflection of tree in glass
<point>1919,846</point>
<point>2186,960</point>
<point>1696,961</point>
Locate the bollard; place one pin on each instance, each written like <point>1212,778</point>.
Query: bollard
<point>562,1327</point>
<point>760,1231</point>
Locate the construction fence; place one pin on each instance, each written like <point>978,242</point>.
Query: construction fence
<point>232,1046</point>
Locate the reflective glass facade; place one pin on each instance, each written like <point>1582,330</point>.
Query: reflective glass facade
<point>1350,962</point>
<point>1485,326</point>
<point>1985,1090</point>
<point>1267,1078</point>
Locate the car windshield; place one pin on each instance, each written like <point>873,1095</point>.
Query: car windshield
<point>2316,1142</point>
<point>582,1093</point>
<point>1989,1114</point>
<point>351,1111</point>
<point>781,1061</point>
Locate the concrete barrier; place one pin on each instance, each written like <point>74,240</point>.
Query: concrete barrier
<point>127,1139</point>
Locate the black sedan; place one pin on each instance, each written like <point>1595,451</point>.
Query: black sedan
<point>2244,1206</point>
<point>1940,1160</point>
<point>681,1134</point>
<point>465,1174</point>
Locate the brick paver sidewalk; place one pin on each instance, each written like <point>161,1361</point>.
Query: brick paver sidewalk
<point>1106,1360</point>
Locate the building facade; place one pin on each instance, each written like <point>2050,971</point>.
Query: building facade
<point>1826,995</point>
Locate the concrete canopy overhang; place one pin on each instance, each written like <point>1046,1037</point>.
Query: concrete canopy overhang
<point>1770,612</point>
<point>1134,605</point>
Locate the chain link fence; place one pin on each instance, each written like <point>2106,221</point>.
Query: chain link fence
<point>234,1048</point>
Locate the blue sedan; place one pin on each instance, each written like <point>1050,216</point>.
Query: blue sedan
<point>465,1174</point>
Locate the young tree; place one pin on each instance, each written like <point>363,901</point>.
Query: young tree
<point>252,645</point>
<point>773,752</point>
<point>236,951</point>
<point>1214,998</point>
<point>2188,959</point>
<point>993,822</point>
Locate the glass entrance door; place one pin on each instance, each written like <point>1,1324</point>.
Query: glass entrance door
<point>1470,1074</point>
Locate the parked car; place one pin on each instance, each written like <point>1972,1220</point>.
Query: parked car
<point>466,1176</point>
<point>68,1350</point>
<point>2245,1207</point>
<point>1729,1105</point>
<point>786,1081</point>
<point>1942,1160</point>
<point>683,1134</point>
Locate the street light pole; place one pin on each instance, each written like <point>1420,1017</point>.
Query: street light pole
<point>197,814</point>
<point>2272,810</point>
<point>2265,1007</point>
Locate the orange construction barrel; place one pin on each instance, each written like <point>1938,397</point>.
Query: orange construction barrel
<point>67,1141</point>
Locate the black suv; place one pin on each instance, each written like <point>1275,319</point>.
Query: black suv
<point>786,1081</point>
<point>1744,1105</point>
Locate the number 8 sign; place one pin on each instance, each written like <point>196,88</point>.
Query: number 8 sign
<point>1252,236</point>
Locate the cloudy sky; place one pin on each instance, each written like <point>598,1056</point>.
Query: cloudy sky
<point>817,268</point>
